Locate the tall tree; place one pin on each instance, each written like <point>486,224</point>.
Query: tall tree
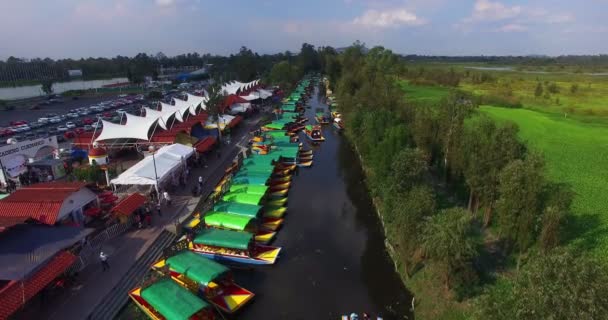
<point>453,110</point>
<point>284,74</point>
<point>408,168</point>
<point>308,59</point>
<point>215,106</point>
<point>519,205</point>
<point>47,86</point>
<point>447,241</point>
<point>484,150</point>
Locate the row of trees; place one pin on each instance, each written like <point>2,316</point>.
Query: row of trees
<point>245,65</point>
<point>418,157</point>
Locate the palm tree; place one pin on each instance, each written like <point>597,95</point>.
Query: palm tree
<point>214,104</point>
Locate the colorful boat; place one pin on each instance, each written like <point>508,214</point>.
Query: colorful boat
<point>247,198</point>
<point>238,208</point>
<point>322,118</point>
<point>313,133</point>
<point>249,188</point>
<point>237,222</point>
<point>274,212</point>
<point>167,300</point>
<point>305,163</point>
<point>233,246</point>
<point>277,202</point>
<point>338,124</point>
<point>209,279</point>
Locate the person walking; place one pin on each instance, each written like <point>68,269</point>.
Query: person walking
<point>200,183</point>
<point>104,261</point>
<point>160,214</point>
<point>167,198</point>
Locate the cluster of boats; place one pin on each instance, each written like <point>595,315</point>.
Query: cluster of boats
<point>249,206</point>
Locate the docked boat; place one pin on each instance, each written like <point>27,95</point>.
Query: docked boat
<point>338,124</point>
<point>263,230</point>
<point>233,246</point>
<point>274,212</point>
<point>166,300</point>
<point>322,118</point>
<point>206,278</point>
<point>313,133</point>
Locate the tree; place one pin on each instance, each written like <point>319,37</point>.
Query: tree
<point>409,212</point>
<point>284,74</point>
<point>447,241</point>
<point>484,150</point>
<point>557,202</point>
<point>407,169</point>
<point>538,92</point>
<point>561,285</point>
<point>47,86</point>
<point>454,109</point>
<point>215,105</point>
<point>519,205</point>
<point>308,59</point>
<point>245,65</point>
<point>574,88</point>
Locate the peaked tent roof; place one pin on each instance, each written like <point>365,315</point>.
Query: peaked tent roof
<point>155,114</point>
<point>171,110</point>
<point>111,131</point>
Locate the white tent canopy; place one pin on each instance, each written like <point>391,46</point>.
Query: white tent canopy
<point>155,114</point>
<point>264,93</point>
<point>169,110</point>
<point>169,160</point>
<point>239,107</point>
<point>195,102</point>
<point>184,107</point>
<point>135,130</point>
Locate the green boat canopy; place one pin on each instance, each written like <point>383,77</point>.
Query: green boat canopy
<point>196,267</point>
<point>249,188</point>
<point>273,125</point>
<point>277,133</point>
<point>243,198</point>
<point>238,208</point>
<point>173,301</point>
<point>246,179</point>
<point>227,220</point>
<point>224,239</point>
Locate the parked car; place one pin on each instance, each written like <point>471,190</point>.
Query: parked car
<point>62,129</point>
<point>18,122</point>
<point>121,111</point>
<point>84,112</point>
<point>43,120</point>
<point>70,125</point>
<point>96,125</point>
<point>79,123</point>
<point>6,132</point>
<point>73,115</point>
<point>79,131</point>
<point>55,120</point>
<point>51,115</point>
<point>88,128</point>
<point>35,125</point>
<point>88,120</point>
<point>69,135</point>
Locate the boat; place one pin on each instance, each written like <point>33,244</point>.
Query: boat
<point>206,278</point>
<point>249,188</point>
<point>233,246</point>
<point>164,299</point>
<point>279,193</point>
<point>277,202</point>
<point>322,118</point>
<point>338,124</point>
<point>313,133</point>
<point>274,212</point>
<point>263,231</point>
<point>279,186</point>
<point>304,163</point>
<point>247,198</point>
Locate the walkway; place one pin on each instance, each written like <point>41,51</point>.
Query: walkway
<point>123,251</point>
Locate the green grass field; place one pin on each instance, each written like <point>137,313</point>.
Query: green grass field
<point>423,94</point>
<point>576,153</point>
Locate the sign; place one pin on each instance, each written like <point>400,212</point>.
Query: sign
<point>15,157</point>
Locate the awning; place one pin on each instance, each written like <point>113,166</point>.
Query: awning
<point>129,204</point>
<point>140,130</point>
<point>205,144</point>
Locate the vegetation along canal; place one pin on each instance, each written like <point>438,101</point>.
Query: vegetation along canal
<point>334,260</point>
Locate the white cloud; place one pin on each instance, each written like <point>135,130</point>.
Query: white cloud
<point>391,18</point>
<point>165,3</point>
<point>512,27</point>
<point>485,10</point>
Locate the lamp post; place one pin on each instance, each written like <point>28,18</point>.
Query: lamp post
<point>152,150</point>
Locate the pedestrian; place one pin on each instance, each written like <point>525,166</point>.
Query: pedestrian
<point>104,261</point>
<point>148,218</point>
<point>167,198</point>
<point>200,182</point>
<point>160,214</point>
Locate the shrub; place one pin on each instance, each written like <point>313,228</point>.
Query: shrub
<point>501,101</point>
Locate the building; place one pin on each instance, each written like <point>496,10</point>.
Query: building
<point>48,203</point>
<point>14,158</point>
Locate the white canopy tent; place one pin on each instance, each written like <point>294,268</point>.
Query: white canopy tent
<point>195,102</point>
<point>184,108</point>
<point>239,108</point>
<point>169,161</point>
<point>155,114</point>
<point>137,129</point>
<point>170,110</point>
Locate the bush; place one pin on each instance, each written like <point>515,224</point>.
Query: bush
<point>501,101</point>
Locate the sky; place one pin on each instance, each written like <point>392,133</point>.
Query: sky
<point>105,28</point>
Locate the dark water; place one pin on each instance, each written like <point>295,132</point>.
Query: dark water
<point>333,260</point>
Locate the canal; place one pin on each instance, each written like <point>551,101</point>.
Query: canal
<point>334,260</point>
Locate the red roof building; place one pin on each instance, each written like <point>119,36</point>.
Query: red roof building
<point>15,293</point>
<point>130,204</point>
<point>46,202</point>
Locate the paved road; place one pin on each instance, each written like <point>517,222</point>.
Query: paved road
<point>124,250</point>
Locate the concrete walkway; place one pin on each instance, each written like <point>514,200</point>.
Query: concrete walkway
<point>78,301</point>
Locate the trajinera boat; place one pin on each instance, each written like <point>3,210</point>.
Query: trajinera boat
<point>314,133</point>
<point>167,300</point>
<point>208,279</point>
<point>233,246</point>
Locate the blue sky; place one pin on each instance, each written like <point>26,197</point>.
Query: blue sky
<point>83,28</point>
